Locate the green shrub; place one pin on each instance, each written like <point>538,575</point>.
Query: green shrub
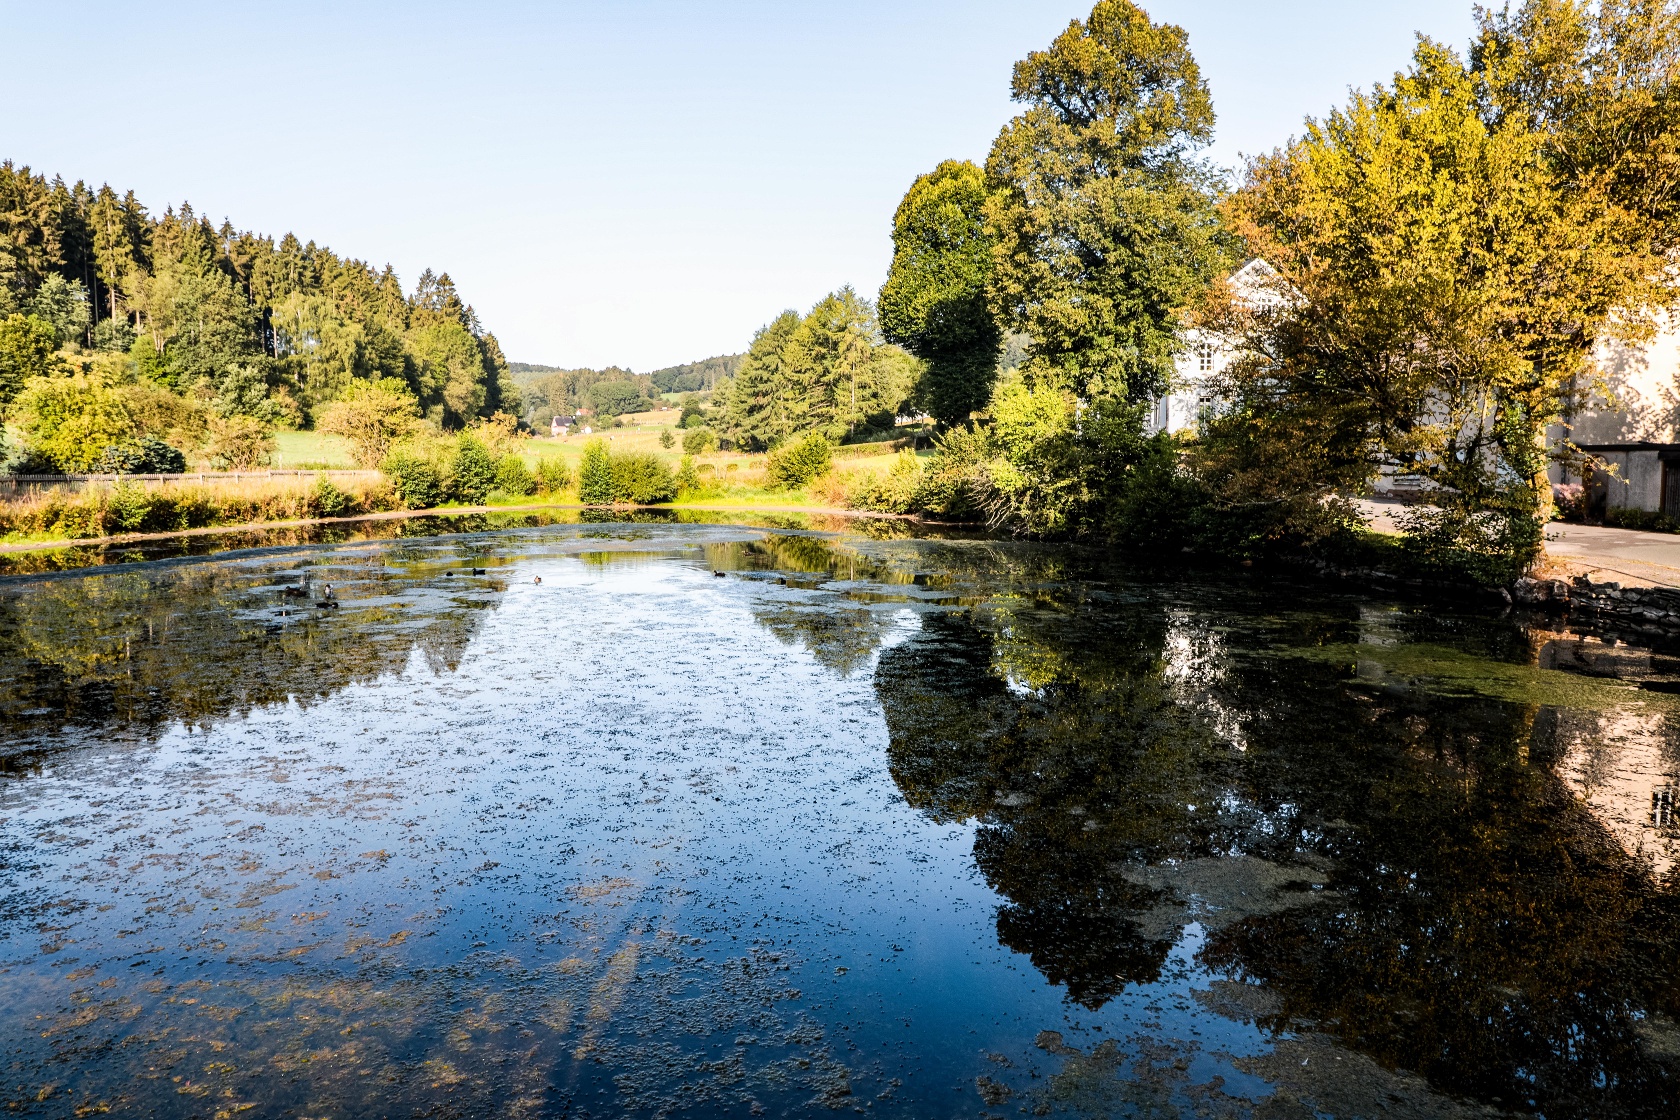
<point>78,519</point>
<point>698,441</point>
<point>127,506</point>
<point>146,455</point>
<point>1650,521</point>
<point>415,479</point>
<point>956,476</point>
<point>642,478</point>
<point>896,492</point>
<point>475,471</point>
<point>69,421</point>
<point>513,479</point>
<point>553,476</point>
<point>595,475</point>
<point>795,464</point>
<point>240,443</point>
<point>1483,547</point>
<point>328,500</point>
<point>666,439</point>
<point>688,478</point>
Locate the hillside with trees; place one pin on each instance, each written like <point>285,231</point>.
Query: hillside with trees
<point>549,391</point>
<point>165,325</point>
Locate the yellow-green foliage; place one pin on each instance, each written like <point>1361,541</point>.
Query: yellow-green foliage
<point>374,417</point>
<point>553,476</point>
<point>513,479</point>
<point>893,492</point>
<point>641,478</point>
<point>797,462</point>
<point>97,511</point>
<point>71,420</point>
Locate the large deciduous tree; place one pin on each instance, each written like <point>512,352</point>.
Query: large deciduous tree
<point>1106,231</point>
<point>70,421</point>
<point>934,301</point>
<point>1105,220</point>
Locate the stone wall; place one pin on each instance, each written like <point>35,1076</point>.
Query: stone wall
<point>1644,610</point>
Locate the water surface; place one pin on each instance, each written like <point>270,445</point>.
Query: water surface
<point>718,821</point>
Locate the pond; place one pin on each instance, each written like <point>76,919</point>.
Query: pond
<point>659,820</point>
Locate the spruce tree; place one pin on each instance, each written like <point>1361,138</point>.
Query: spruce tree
<point>595,476</point>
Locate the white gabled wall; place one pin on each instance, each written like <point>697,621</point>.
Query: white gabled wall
<point>1204,355</point>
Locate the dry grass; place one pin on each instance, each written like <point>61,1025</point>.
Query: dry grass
<point>102,509</point>
<point>105,509</point>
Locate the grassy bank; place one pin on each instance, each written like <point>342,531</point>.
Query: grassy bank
<point>726,480</point>
<point>313,451</point>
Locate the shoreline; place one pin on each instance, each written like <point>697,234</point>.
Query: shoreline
<point>442,511</point>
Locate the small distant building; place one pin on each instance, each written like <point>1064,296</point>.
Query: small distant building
<point>557,427</point>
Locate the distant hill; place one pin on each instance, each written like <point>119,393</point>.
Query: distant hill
<point>704,374</point>
<point>688,378</point>
<point>526,372</point>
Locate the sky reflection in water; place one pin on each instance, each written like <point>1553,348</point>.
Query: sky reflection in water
<point>919,828</point>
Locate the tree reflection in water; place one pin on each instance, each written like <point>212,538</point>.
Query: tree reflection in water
<point>1415,870</point>
<point>1401,870</point>
<point>148,647</point>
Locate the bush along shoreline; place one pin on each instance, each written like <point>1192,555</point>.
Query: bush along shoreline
<point>1138,501</point>
<point>415,476</point>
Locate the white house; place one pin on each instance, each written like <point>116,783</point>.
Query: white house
<point>1205,355</point>
<point>1628,430</point>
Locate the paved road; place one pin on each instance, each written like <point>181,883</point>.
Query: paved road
<point>1623,556</point>
<point>1620,555</point>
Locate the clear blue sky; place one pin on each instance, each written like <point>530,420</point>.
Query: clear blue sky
<point>640,182</point>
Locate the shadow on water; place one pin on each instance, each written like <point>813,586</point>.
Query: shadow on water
<point>1375,854</point>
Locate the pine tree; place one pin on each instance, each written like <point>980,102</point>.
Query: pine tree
<point>757,412</point>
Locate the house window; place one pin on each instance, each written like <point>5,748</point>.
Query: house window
<point>1204,356</point>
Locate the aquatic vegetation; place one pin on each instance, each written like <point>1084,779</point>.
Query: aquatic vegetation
<point>899,824</point>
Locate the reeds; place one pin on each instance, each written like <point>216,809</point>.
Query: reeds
<point>107,509</point>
